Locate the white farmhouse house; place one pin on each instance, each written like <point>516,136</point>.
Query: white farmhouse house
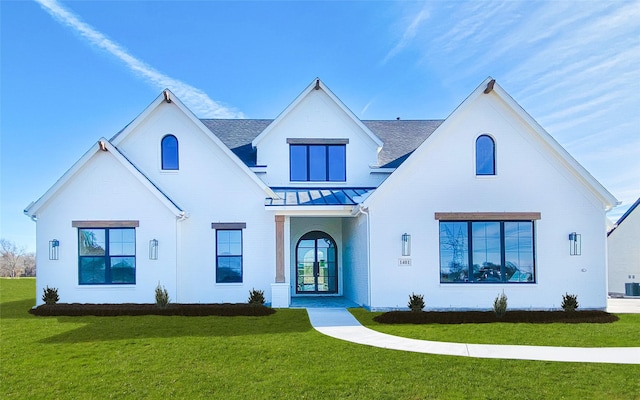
<point>320,203</point>
<point>624,253</point>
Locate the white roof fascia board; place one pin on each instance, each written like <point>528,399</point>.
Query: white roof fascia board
<point>175,100</point>
<point>150,185</point>
<point>607,199</point>
<point>561,153</point>
<point>333,97</point>
<point>33,208</point>
<point>120,136</point>
<point>411,159</point>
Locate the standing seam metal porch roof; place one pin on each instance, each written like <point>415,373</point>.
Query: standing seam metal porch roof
<point>318,196</point>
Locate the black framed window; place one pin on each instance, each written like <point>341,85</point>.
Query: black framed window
<point>318,162</point>
<point>228,255</point>
<point>170,155</point>
<point>487,251</point>
<point>485,155</point>
<point>106,256</point>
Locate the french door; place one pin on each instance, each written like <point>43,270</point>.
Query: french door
<point>316,264</point>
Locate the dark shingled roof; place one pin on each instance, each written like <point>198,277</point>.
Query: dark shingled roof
<point>400,137</point>
<point>625,215</point>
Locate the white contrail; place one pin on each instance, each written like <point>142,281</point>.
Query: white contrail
<point>408,34</point>
<point>194,98</point>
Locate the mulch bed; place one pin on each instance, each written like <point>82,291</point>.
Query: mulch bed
<point>116,310</point>
<point>482,317</point>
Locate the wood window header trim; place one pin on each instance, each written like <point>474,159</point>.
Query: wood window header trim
<point>105,224</point>
<point>488,216</point>
<point>316,141</point>
<point>228,225</point>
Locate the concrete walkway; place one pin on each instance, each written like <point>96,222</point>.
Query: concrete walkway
<point>341,324</point>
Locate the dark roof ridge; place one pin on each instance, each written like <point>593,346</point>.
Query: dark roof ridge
<point>625,215</point>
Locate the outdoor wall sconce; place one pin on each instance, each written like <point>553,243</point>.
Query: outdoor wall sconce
<point>406,244</point>
<point>54,245</point>
<point>153,249</point>
<point>575,244</point>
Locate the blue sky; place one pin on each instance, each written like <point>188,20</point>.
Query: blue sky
<point>72,72</point>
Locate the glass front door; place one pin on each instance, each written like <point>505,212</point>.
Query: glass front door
<point>316,264</point>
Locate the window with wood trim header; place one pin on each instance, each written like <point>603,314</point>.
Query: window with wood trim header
<point>317,162</point>
<point>106,256</point>
<point>487,252</point>
<point>228,255</point>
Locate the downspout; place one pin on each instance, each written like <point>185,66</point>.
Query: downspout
<point>181,217</point>
<point>365,211</point>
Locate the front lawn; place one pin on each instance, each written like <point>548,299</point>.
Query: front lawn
<point>277,356</point>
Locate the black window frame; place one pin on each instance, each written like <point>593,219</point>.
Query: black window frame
<point>327,162</point>
<point>503,253</point>
<point>220,276</point>
<point>108,279</point>
<point>166,152</point>
<point>493,171</point>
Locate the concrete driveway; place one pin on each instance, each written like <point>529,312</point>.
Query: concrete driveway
<point>623,306</point>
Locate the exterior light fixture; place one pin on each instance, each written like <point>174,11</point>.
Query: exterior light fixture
<point>54,246</point>
<point>575,244</point>
<point>406,244</point>
<point>153,249</point>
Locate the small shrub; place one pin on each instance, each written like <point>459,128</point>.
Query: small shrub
<point>500,305</point>
<point>50,295</point>
<point>569,302</point>
<point>416,302</point>
<point>162,297</point>
<point>256,297</point>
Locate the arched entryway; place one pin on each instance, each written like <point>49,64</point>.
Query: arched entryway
<point>316,264</point>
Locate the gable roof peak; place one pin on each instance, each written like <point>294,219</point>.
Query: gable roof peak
<point>170,98</point>
<point>104,145</point>
<point>317,84</point>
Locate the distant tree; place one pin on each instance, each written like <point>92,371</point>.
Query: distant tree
<point>11,258</point>
<point>29,264</point>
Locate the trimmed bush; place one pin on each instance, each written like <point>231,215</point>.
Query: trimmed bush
<point>162,297</point>
<point>416,302</point>
<point>569,302</point>
<point>256,297</point>
<point>500,305</point>
<point>50,295</point>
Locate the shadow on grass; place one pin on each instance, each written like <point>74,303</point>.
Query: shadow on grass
<point>153,326</point>
<point>16,309</point>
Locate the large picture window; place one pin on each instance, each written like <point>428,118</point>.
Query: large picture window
<point>487,251</point>
<point>228,255</point>
<point>106,256</point>
<point>317,162</point>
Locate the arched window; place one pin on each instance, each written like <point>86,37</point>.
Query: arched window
<point>485,156</point>
<point>169,152</point>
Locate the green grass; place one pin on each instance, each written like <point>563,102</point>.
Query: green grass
<point>622,333</point>
<point>278,356</point>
